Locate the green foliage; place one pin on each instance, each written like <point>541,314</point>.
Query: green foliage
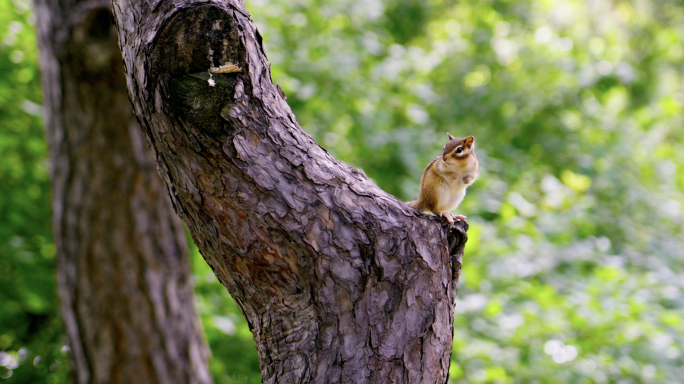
<point>30,331</point>
<point>573,267</point>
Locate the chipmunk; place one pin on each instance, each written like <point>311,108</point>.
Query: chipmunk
<point>444,181</point>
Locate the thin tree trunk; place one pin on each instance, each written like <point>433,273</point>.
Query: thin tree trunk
<point>122,259</point>
<point>339,281</point>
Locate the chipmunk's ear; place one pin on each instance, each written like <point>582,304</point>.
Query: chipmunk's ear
<point>469,142</point>
<point>450,137</point>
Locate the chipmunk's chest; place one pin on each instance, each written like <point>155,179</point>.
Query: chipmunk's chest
<point>450,194</point>
<point>454,181</point>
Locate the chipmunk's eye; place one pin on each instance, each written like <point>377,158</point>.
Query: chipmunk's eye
<point>459,149</point>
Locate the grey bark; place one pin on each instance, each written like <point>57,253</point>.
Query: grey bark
<point>338,280</point>
<point>122,259</point>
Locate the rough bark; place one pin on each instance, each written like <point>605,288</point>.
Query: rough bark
<point>122,259</point>
<point>339,281</point>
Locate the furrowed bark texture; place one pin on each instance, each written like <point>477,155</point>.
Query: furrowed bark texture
<point>339,281</point>
<point>122,259</point>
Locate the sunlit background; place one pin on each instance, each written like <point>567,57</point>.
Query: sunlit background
<point>574,267</point>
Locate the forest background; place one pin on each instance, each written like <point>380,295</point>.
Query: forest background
<point>574,267</point>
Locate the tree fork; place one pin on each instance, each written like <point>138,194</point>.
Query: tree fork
<point>338,280</point>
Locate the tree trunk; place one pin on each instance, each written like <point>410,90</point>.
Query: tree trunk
<point>122,259</point>
<point>339,281</point>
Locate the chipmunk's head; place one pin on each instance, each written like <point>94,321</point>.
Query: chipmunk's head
<point>459,149</point>
<point>460,152</point>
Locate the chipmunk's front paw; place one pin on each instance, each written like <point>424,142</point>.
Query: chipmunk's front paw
<point>459,217</point>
